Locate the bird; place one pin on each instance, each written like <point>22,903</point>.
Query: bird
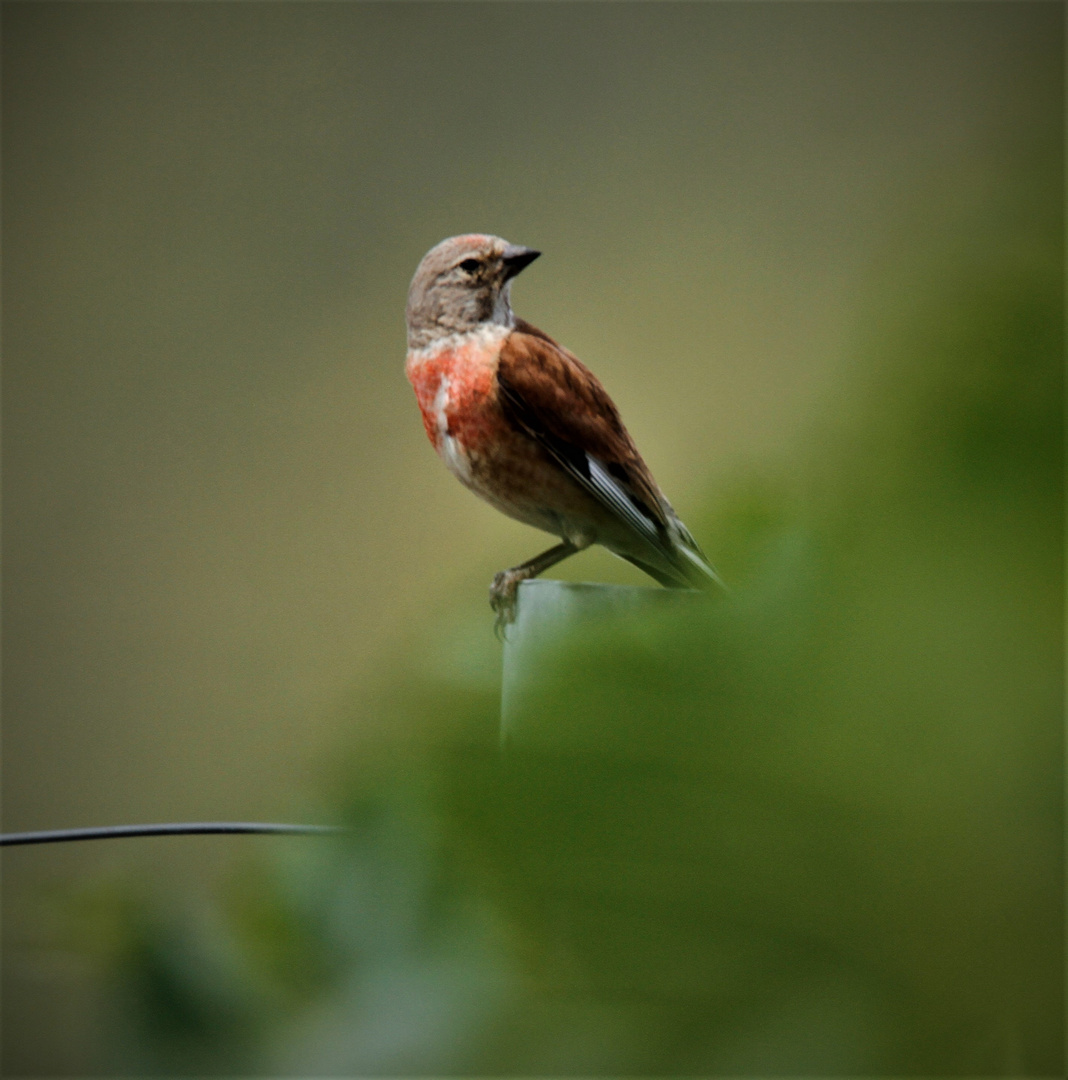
<point>525,425</point>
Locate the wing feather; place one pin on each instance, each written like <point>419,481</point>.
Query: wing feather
<point>613,495</point>
<point>549,394</point>
<point>552,396</point>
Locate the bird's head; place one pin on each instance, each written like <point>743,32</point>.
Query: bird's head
<point>461,284</point>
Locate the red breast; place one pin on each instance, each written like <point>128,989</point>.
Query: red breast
<point>455,385</point>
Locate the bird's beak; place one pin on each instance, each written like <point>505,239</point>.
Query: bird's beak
<point>517,258</point>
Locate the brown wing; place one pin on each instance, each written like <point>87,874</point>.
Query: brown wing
<point>551,395</point>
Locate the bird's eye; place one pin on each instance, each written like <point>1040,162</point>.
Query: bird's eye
<point>470,265</point>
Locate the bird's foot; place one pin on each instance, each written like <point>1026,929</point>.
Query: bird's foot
<point>505,584</point>
<point>503,597</point>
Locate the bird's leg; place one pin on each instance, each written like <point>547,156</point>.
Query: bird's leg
<point>505,584</point>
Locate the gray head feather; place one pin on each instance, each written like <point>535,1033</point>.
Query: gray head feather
<point>461,284</point>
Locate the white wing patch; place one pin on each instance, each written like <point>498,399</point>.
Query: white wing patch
<point>606,488</point>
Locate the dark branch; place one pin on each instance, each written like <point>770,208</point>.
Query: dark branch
<point>182,828</point>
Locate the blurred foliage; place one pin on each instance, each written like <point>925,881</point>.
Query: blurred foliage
<point>814,826</point>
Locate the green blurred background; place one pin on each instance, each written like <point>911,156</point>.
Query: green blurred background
<point>815,253</point>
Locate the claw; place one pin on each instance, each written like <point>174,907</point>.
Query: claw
<point>505,584</point>
<point>503,600</point>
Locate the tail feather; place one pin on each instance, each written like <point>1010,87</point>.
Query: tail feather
<point>681,563</point>
<point>669,581</point>
<point>687,556</point>
<point>696,568</point>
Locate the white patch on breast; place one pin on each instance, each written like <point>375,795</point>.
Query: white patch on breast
<point>441,402</point>
<point>482,336</point>
<point>450,449</point>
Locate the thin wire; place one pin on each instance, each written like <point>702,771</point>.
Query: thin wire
<point>182,828</point>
